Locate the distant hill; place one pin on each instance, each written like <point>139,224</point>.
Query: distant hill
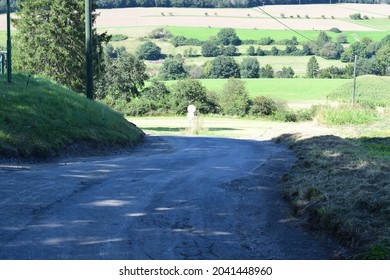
<point>42,119</point>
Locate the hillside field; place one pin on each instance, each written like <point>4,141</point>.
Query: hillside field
<point>282,89</point>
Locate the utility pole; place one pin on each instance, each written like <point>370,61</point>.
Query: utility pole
<point>88,48</point>
<point>9,48</point>
<point>354,81</point>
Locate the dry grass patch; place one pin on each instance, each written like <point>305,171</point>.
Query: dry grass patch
<point>342,186</point>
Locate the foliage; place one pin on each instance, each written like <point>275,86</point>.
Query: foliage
<point>183,41</point>
<point>149,51</point>
<point>228,36</point>
<point>250,68</point>
<point>347,115</point>
<point>251,51</point>
<point>262,106</point>
<point>51,41</point>
<point>266,41</point>
<point>313,68</point>
<point>211,49</point>
<point>334,72</point>
<point>173,69</point>
<point>186,92</point>
<point>286,73</point>
<point>123,78</point>
<point>118,37</point>
<point>224,67</point>
<point>356,16</point>
<point>234,99</point>
<point>229,50</point>
<point>159,33</point>
<point>267,71</point>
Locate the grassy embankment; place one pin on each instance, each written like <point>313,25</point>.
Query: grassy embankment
<point>341,184</point>
<point>43,118</point>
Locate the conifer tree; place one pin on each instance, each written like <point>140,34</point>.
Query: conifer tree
<point>51,41</point>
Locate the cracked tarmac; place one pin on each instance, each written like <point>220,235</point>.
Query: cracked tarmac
<point>172,198</point>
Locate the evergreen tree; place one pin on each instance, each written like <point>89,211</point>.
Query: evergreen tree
<point>313,68</point>
<point>51,41</point>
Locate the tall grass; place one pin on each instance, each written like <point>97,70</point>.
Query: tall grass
<point>347,115</point>
<point>41,118</point>
<point>370,90</point>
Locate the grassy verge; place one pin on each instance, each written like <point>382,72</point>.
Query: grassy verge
<point>342,186</point>
<point>42,118</point>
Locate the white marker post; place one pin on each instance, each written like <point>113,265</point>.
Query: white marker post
<point>191,109</point>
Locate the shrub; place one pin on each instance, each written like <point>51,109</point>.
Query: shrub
<point>118,37</point>
<point>149,51</point>
<point>356,16</point>
<point>267,71</point>
<point>335,30</point>
<point>265,41</point>
<point>140,107</point>
<point>262,106</point>
<point>160,33</point>
<point>234,99</point>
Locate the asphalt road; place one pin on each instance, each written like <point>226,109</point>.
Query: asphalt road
<point>172,198</point>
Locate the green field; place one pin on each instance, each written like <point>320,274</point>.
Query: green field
<point>282,89</point>
<point>204,33</point>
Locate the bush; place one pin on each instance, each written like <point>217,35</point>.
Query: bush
<point>118,37</point>
<point>335,30</point>
<point>149,51</point>
<point>140,107</point>
<point>262,106</point>
<point>160,33</point>
<point>356,16</point>
<point>265,41</point>
<point>234,99</point>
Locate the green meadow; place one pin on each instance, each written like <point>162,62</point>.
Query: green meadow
<point>282,89</point>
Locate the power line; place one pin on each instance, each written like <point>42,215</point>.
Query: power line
<point>285,25</point>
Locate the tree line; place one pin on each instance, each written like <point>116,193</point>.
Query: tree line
<point>199,3</point>
<point>215,3</point>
